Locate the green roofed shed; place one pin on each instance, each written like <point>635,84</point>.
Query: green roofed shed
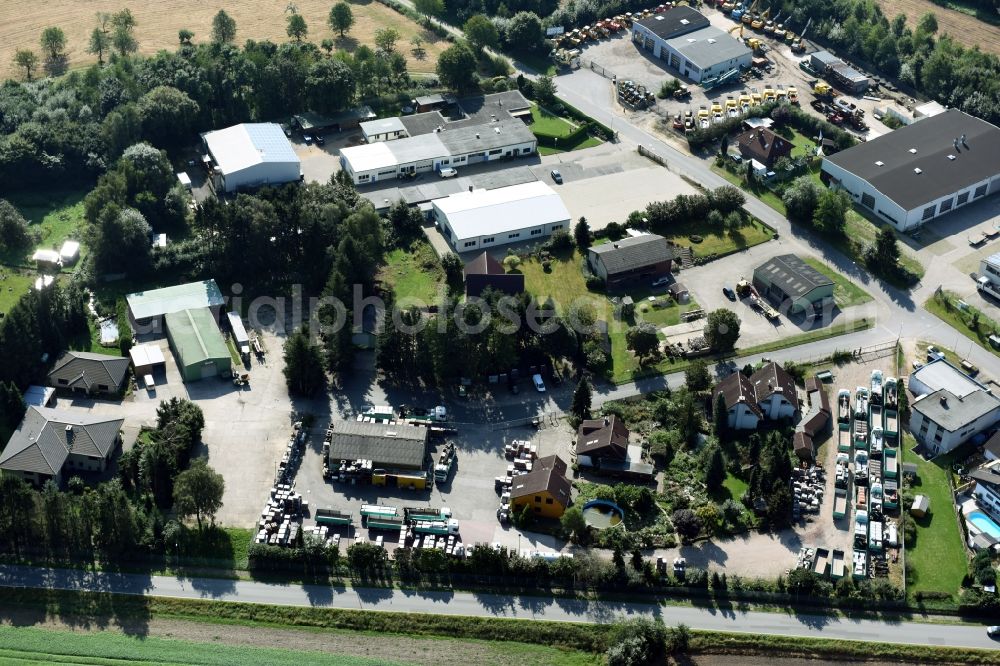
<point>197,344</point>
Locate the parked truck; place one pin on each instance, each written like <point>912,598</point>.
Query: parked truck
<point>875,416</point>
<point>369,511</point>
<point>436,527</point>
<point>861,530</point>
<point>891,417</point>
<point>844,406</point>
<point>385,523</point>
<point>445,463</point>
<point>821,562</point>
<point>837,565</point>
<point>844,438</point>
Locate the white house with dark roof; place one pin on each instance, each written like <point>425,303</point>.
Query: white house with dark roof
<point>51,444</point>
<point>769,394</point>
<point>917,173</point>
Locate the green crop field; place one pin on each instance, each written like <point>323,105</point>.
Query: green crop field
<point>27,645</point>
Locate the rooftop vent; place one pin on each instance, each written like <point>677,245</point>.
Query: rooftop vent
<point>963,141</point>
<point>684,21</point>
<point>879,163</point>
<point>496,129</point>
<point>659,18</point>
<point>951,157</point>
<point>477,135</point>
<point>944,400</point>
<point>917,170</point>
<point>711,41</point>
<point>390,433</point>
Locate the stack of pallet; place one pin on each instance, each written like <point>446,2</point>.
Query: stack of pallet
<point>279,521</point>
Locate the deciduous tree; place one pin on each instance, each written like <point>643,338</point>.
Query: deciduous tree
<point>26,60</point>
<point>456,68</point>
<point>223,28</point>
<point>198,491</point>
<point>53,43</point>
<point>581,399</point>
<point>297,28</point>
<point>722,330</point>
<point>481,33</point>
<point>341,18</point>
<point>643,341</point>
<point>99,44</point>
<point>385,39</point>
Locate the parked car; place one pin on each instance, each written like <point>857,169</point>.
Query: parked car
<point>320,141</point>
<point>661,281</point>
<point>539,384</point>
<point>307,139</point>
<point>556,176</point>
<point>994,631</point>
<point>447,172</point>
<point>736,157</point>
<point>728,291</point>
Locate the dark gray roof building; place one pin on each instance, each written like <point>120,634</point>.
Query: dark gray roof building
<point>639,257</point>
<point>926,169</point>
<point>46,437</point>
<point>791,282</point>
<point>89,373</point>
<point>674,22</point>
<point>395,445</point>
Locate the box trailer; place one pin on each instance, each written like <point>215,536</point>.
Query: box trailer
<point>378,511</point>
<point>837,565</point>
<point>415,513</point>
<point>844,437</point>
<point>861,529</point>
<point>840,502</point>
<point>891,467</point>
<point>822,561</point>
<point>333,517</point>
<point>875,416</point>
<point>385,523</point>
<point>891,418</point>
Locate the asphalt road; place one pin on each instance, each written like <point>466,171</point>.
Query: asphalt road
<point>493,605</point>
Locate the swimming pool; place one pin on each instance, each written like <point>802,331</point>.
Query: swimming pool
<point>984,523</point>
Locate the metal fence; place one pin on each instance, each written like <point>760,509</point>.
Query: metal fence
<point>594,67</point>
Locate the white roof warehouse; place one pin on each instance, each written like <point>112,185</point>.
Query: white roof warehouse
<point>250,155</point>
<point>451,146</point>
<point>485,218</point>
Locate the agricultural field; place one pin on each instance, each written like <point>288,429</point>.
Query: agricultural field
<point>158,23</point>
<point>961,27</point>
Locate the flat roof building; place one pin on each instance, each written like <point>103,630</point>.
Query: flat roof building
<point>793,284</point>
<point>383,129</point>
<point>917,173</point>
<point>146,359</point>
<point>251,154</point>
<point>689,44</point>
<point>198,345</point>
<point>147,308</point>
<point>486,218</point>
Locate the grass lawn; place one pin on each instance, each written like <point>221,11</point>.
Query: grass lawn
<point>54,215</point>
<point>937,556</point>
<point>549,123</point>
<point>732,488</point>
<point>944,307</point>
<point>762,193</point>
<point>845,292</point>
<point>540,62</point>
<point>803,145</point>
<point>220,546</point>
<point>13,285</point>
<point>414,273</point>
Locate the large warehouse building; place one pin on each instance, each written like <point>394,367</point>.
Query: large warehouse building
<point>147,308</point>
<point>198,345</point>
<point>793,284</point>
<point>922,171</point>
<point>251,155</point>
<point>689,44</point>
<point>486,218</point>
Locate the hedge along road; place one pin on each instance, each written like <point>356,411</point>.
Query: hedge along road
<point>494,605</point>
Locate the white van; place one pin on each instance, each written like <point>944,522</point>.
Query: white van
<point>539,384</point>
<point>447,172</point>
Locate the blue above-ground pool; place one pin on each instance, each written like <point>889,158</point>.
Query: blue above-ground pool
<point>984,523</point>
<point>601,514</point>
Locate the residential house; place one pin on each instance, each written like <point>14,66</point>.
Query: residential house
<point>775,392</point>
<point>763,145</point>
<point>741,402</point>
<point>950,406</point>
<point>603,446</point>
<point>92,374</point>
<point>633,260</point>
<point>51,444</point>
<point>546,488</point>
<point>987,492</point>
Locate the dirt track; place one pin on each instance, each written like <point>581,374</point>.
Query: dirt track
<point>963,28</point>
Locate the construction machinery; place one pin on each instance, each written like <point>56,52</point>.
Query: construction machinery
<point>757,98</point>
<point>748,14</point>
<point>798,43</point>
<point>822,91</point>
<point>682,92</point>
<point>780,93</point>
<point>769,25</point>
<point>760,19</point>
<point>728,7</point>
<point>688,120</point>
<point>739,10</point>
<point>678,122</point>
<point>566,57</point>
<point>732,108</point>
<point>769,94</point>
<point>716,112</point>
<point>704,118</point>
<point>754,44</point>
<point>793,95</point>
<point>721,80</point>
<point>745,101</point>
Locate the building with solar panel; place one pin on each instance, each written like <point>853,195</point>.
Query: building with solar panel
<point>250,155</point>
